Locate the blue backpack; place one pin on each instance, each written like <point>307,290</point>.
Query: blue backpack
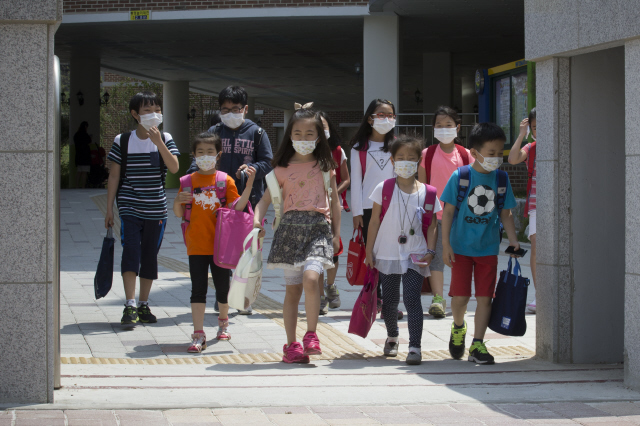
<point>464,179</point>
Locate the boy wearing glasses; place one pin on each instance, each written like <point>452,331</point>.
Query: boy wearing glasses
<point>244,144</point>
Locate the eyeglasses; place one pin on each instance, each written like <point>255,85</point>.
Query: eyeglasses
<point>382,116</point>
<point>234,110</point>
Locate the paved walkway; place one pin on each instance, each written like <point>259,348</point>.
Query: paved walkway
<point>142,375</point>
<point>597,414</point>
<point>91,330</point>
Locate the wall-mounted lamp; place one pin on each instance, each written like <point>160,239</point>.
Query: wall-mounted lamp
<point>358,70</point>
<point>418,96</point>
<point>105,99</point>
<point>80,97</point>
<point>192,114</point>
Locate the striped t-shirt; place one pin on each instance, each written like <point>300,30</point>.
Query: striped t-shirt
<point>142,194</point>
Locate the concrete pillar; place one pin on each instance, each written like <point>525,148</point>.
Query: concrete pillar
<point>632,211</point>
<point>573,169</point>
<point>175,109</point>
<point>597,96</point>
<point>469,97</point>
<point>84,77</point>
<point>381,58</point>
<point>251,103</point>
<point>554,321</point>
<point>29,249</point>
<point>437,75</point>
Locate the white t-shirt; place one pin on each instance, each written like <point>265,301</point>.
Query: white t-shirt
<point>343,156</point>
<point>390,256</point>
<point>378,169</point>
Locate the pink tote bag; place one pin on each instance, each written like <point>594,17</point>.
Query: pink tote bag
<point>232,227</point>
<point>365,309</point>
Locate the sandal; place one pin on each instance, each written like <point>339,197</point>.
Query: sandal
<point>198,344</point>
<point>223,329</point>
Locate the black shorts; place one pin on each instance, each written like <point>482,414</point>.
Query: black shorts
<point>199,266</point>
<point>141,240</point>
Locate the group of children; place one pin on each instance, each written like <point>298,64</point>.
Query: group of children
<point>413,227</point>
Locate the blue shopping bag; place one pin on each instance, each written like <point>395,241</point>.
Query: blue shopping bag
<point>104,274</point>
<point>509,303</point>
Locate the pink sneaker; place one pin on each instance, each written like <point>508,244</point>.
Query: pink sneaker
<point>311,344</point>
<point>294,353</point>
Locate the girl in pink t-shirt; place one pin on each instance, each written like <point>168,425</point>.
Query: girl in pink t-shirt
<point>309,232</point>
<point>436,167</point>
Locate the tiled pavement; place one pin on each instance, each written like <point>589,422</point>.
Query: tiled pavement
<point>600,414</point>
<point>91,329</point>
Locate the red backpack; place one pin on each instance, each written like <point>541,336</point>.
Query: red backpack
<point>429,204</point>
<point>531,164</point>
<point>431,151</point>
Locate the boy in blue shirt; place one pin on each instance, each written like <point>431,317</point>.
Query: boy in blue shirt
<point>471,238</point>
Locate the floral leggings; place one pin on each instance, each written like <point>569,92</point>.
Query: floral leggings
<point>412,286</point>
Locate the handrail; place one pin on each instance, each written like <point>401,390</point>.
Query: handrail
<point>426,133</point>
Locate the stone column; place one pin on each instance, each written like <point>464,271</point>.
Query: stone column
<point>84,77</point>
<point>553,295</point>
<point>381,58</point>
<point>251,103</point>
<point>175,109</point>
<point>437,80</point>
<point>27,224</point>
<point>632,231</point>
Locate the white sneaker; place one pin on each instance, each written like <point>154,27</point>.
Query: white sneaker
<point>531,307</point>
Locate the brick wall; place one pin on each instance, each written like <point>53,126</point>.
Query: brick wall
<point>517,175</point>
<point>84,6</point>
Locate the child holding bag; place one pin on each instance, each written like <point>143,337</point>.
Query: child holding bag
<point>204,201</point>
<point>396,246</point>
<point>309,233</point>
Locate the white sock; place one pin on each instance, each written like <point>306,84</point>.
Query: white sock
<point>140,303</point>
<point>392,339</point>
<point>414,350</point>
<point>131,302</point>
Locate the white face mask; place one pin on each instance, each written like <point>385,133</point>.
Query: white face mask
<point>491,163</point>
<point>304,147</point>
<point>405,169</point>
<point>445,134</point>
<point>327,134</point>
<point>206,162</point>
<point>384,125</point>
<point>232,121</point>
<point>150,120</point>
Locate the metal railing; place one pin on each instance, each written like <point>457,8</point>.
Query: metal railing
<point>420,124</point>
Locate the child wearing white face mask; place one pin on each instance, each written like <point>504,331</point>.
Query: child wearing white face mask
<point>471,235</point>
<point>309,231</point>
<point>203,201</point>
<point>400,234</point>
<point>438,163</point>
<point>139,163</point>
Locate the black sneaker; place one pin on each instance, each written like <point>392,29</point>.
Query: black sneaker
<point>456,341</point>
<point>145,314</point>
<point>129,315</point>
<point>479,354</point>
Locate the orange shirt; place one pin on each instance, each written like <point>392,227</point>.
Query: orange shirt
<point>201,231</point>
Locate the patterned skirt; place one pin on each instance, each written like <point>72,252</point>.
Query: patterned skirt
<point>301,236</point>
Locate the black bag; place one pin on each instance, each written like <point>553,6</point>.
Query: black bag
<point>104,274</point>
<point>509,304</point>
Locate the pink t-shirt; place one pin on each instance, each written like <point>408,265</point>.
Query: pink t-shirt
<point>303,188</point>
<point>532,194</point>
<point>442,167</point>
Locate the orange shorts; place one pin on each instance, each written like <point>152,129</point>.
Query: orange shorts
<point>484,271</point>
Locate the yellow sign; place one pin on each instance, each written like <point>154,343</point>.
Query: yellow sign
<point>507,67</point>
<point>140,15</point>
